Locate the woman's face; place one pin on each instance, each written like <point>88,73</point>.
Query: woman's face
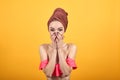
<point>56,26</point>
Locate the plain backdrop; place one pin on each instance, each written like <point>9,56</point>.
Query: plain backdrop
<point>94,26</point>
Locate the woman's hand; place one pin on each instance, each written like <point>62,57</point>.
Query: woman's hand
<point>59,40</point>
<point>53,38</point>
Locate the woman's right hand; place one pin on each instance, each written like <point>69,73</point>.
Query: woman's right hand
<point>53,38</point>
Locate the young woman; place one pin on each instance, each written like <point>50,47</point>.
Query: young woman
<point>58,57</point>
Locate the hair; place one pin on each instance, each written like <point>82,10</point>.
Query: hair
<point>60,15</point>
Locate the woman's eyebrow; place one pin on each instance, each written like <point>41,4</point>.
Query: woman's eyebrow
<point>51,27</point>
<point>60,27</point>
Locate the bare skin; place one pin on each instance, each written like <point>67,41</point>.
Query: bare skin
<point>57,52</point>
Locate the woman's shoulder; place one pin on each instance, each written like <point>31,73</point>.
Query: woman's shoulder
<point>72,45</point>
<point>43,45</point>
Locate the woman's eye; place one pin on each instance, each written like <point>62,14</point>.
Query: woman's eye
<point>60,29</point>
<point>51,29</point>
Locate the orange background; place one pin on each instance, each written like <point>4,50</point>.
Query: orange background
<point>94,26</point>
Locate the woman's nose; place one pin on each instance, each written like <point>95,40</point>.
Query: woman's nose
<point>56,33</point>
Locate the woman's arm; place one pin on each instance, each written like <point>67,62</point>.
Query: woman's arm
<point>66,69</point>
<point>48,70</point>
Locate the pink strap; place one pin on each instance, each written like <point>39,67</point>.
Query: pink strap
<point>43,64</point>
<point>71,62</point>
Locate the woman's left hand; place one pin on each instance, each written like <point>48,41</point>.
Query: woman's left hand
<point>59,40</point>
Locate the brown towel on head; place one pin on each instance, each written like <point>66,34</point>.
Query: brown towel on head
<point>60,15</point>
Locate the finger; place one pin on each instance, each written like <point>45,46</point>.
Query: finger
<point>59,36</point>
<point>57,40</point>
<point>53,36</point>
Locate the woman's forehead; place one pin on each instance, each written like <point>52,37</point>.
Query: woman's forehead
<point>56,24</point>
